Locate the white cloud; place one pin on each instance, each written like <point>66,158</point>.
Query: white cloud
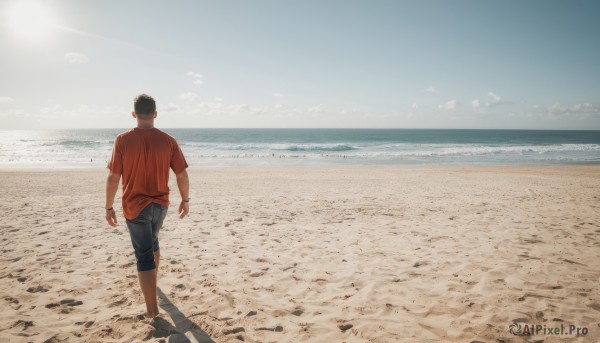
<point>431,89</point>
<point>316,109</point>
<point>76,58</point>
<point>495,98</point>
<point>451,105</point>
<point>188,96</point>
<point>277,94</point>
<point>6,100</point>
<point>194,75</point>
<point>558,109</point>
<point>585,108</point>
<point>415,106</point>
<point>170,107</point>
<point>197,78</point>
<point>219,99</point>
<point>12,112</point>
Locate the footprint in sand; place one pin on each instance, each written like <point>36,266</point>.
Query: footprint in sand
<point>24,324</point>
<point>118,302</point>
<point>298,311</point>
<point>595,306</point>
<point>345,327</point>
<point>67,302</point>
<point>86,324</point>
<point>162,328</point>
<point>37,289</point>
<point>14,303</point>
<point>71,302</point>
<point>235,330</point>
<point>277,328</point>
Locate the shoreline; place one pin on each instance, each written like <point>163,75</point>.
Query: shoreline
<point>329,167</point>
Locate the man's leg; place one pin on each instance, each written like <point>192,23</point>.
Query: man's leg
<point>156,261</point>
<point>158,216</point>
<point>141,232</point>
<point>148,285</point>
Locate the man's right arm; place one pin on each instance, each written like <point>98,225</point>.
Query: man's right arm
<point>183,183</point>
<point>112,185</point>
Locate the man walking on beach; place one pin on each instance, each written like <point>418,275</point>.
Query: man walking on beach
<point>143,156</point>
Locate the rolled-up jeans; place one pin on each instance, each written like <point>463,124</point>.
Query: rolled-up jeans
<point>143,231</point>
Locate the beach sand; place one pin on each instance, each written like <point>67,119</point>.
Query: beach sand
<point>363,254</point>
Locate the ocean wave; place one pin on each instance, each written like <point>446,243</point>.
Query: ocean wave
<point>292,147</point>
<point>83,148</point>
<point>473,150</point>
<point>318,147</point>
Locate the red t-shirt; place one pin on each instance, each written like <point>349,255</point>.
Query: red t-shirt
<point>143,157</point>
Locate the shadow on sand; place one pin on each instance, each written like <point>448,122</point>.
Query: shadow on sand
<point>184,331</point>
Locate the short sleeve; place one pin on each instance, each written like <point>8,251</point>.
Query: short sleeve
<point>178,162</point>
<point>115,165</point>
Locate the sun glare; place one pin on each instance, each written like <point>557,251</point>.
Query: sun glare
<point>30,20</point>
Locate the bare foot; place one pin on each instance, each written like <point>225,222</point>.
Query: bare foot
<point>151,315</point>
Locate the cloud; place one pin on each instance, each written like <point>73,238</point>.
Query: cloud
<point>495,98</point>
<point>76,58</point>
<point>316,109</point>
<point>585,108</point>
<point>415,106</point>
<point>431,89</point>
<point>189,96</point>
<point>195,75</point>
<point>277,94</point>
<point>170,107</point>
<point>197,78</point>
<point>451,105</point>
<point>6,100</point>
<point>558,109</point>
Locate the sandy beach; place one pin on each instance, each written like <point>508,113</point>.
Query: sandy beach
<point>330,254</point>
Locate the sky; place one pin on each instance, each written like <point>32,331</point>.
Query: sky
<point>301,64</point>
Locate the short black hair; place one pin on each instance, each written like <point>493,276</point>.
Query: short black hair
<point>144,104</point>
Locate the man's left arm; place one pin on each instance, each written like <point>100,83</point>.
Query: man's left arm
<point>112,185</point>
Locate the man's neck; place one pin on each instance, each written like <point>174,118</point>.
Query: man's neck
<point>145,124</point>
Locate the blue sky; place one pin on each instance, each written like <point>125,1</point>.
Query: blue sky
<point>421,64</point>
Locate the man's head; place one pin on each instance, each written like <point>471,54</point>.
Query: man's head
<point>144,107</point>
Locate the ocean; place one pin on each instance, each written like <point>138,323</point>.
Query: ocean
<point>314,147</point>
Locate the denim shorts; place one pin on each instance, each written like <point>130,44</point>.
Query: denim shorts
<point>144,234</point>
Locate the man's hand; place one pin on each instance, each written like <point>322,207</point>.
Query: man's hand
<point>184,209</point>
<point>111,217</point>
